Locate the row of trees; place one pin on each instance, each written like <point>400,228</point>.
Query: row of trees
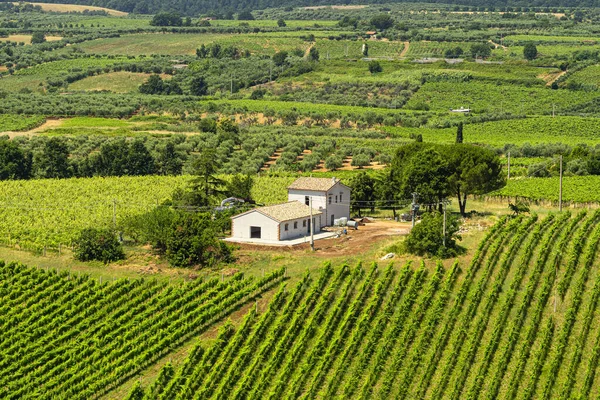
<point>434,172</point>
<point>117,158</point>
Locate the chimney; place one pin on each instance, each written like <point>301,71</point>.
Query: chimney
<point>333,179</point>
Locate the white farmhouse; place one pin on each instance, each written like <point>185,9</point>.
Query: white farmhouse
<point>291,220</point>
<point>329,196</point>
<point>275,223</point>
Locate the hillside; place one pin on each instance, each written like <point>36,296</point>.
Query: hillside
<point>195,7</point>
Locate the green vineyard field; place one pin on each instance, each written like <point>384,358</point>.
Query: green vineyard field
<point>515,323</point>
<point>72,337</point>
<point>576,189</point>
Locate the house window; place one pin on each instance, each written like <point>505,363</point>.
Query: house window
<point>341,197</point>
<point>330,199</point>
<point>306,200</point>
<point>287,227</point>
<point>336,199</point>
<point>304,224</point>
<point>296,225</point>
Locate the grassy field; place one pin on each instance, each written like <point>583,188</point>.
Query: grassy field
<point>19,122</point>
<point>491,98</point>
<point>116,82</point>
<point>69,8</point>
<point>537,130</point>
<point>174,44</point>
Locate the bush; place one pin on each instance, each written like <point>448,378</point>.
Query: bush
<point>375,67</point>
<point>426,239</point>
<point>98,245</point>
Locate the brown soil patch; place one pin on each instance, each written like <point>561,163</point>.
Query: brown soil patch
<point>551,77</point>
<point>405,49</point>
<point>356,242</point>
<point>65,8</point>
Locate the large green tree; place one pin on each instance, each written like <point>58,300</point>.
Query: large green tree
<point>14,162</point>
<point>437,172</point>
<point>474,171</point>
<point>53,160</point>
<point>363,192</point>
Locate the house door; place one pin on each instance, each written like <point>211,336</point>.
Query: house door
<point>255,232</point>
<point>332,219</point>
<point>308,227</point>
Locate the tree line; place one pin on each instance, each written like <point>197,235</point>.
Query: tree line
<point>198,7</point>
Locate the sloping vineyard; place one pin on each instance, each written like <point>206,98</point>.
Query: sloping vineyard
<point>72,337</point>
<point>515,323</point>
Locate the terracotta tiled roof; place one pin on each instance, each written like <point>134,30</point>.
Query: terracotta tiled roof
<point>314,184</point>
<point>285,212</point>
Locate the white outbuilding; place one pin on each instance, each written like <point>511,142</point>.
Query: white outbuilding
<point>285,221</point>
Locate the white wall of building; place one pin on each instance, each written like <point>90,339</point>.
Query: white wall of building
<point>299,228</point>
<point>340,203</point>
<point>339,207</point>
<point>240,226</point>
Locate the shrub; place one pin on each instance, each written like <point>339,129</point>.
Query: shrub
<point>98,245</point>
<point>426,238</point>
<point>375,67</point>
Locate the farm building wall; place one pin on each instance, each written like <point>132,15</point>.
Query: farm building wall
<point>240,226</point>
<point>340,201</point>
<point>298,228</point>
<point>339,206</point>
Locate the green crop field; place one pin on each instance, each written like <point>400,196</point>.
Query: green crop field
<point>576,189</point>
<point>419,332</point>
<point>19,123</point>
<point>65,66</point>
<point>102,333</point>
<point>537,130</point>
<point>116,82</point>
<point>174,44</point>
<point>358,331</point>
<point>489,98</point>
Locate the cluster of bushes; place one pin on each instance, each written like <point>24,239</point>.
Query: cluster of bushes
<point>578,160</point>
<point>376,94</point>
<point>184,238</point>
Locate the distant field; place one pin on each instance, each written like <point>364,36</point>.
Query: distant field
<point>588,77</point>
<point>19,122</point>
<point>519,39</point>
<point>174,44</point>
<point>433,49</point>
<point>26,38</point>
<point>568,130</point>
<point>353,48</point>
<point>117,82</point>
<point>65,8</point>
<point>578,189</point>
<point>492,98</point>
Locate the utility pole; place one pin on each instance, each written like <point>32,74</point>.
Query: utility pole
<point>508,155</point>
<point>312,226</point>
<point>444,231</point>
<point>553,109</point>
<point>560,190</point>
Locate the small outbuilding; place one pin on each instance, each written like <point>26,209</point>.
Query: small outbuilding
<point>279,222</point>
